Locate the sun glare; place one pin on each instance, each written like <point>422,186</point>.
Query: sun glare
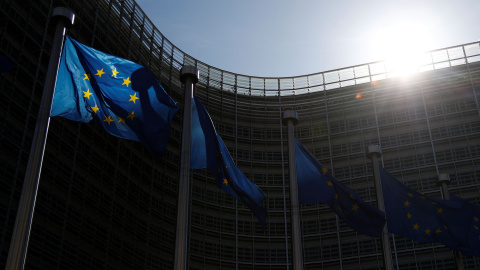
<point>401,47</point>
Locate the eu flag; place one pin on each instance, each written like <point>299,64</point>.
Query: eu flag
<point>312,177</point>
<point>316,184</point>
<point>209,151</point>
<point>410,214</point>
<point>124,97</point>
<point>473,227</point>
<point>5,64</point>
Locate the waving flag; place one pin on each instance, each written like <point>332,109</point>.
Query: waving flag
<point>454,223</point>
<point>316,184</point>
<point>5,64</point>
<point>209,151</point>
<point>124,97</point>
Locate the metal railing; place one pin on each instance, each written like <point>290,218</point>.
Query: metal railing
<point>154,40</point>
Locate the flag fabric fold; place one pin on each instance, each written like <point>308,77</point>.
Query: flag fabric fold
<point>312,177</point>
<point>209,151</point>
<point>124,97</point>
<point>454,223</point>
<point>473,227</point>
<point>5,64</point>
<point>316,184</point>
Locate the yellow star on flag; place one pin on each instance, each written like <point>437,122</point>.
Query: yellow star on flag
<point>439,210</point>
<point>131,115</point>
<point>114,72</point>
<point>121,120</point>
<point>437,231</point>
<point>330,183</point>
<point>133,97</point>
<point>410,195</point>
<point>427,231</point>
<point>407,203</point>
<point>95,109</point>
<point>100,72</point>
<point>409,216</point>
<point>225,181</point>
<point>476,227</point>
<point>87,76</point>
<point>355,207</point>
<point>126,81</point>
<point>416,226</point>
<point>324,170</point>
<point>108,119</point>
<point>475,218</point>
<point>87,94</point>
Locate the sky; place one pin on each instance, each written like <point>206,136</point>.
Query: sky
<point>282,38</point>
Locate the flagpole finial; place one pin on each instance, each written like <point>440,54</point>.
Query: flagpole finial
<point>290,115</point>
<point>64,13</point>
<point>189,72</point>
<point>443,178</point>
<point>373,149</point>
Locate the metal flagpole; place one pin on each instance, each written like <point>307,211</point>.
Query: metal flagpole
<point>374,154</point>
<point>290,118</point>
<point>443,181</point>
<point>189,76</point>
<point>23,222</point>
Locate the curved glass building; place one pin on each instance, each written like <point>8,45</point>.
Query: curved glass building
<point>103,203</point>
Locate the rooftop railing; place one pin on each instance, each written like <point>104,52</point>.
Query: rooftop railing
<point>210,76</point>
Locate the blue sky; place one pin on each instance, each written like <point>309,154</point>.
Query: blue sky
<point>279,38</point>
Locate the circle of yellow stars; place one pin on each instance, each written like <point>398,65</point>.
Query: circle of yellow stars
<point>354,206</point>
<point>133,98</point>
<point>416,226</point>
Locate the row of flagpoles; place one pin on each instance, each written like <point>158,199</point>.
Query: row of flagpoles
<point>125,98</point>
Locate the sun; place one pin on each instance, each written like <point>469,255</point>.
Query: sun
<point>401,46</point>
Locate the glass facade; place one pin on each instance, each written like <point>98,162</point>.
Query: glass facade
<point>103,203</point>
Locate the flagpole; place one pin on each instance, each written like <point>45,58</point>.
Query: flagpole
<point>23,221</point>
<point>189,76</point>
<point>290,118</point>
<point>443,181</point>
<point>374,153</point>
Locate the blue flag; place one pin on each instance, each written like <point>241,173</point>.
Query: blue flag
<point>5,64</point>
<point>312,177</point>
<point>473,227</point>
<point>209,151</point>
<point>410,214</point>
<point>124,97</point>
<point>316,184</point>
